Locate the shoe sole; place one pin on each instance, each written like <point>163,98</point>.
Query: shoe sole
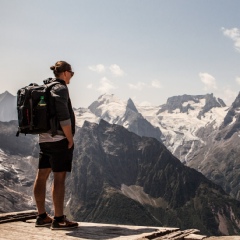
<point>44,225</point>
<point>63,228</point>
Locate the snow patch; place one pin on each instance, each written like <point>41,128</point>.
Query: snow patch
<point>82,115</point>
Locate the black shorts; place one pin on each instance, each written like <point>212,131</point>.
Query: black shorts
<point>56,155</point>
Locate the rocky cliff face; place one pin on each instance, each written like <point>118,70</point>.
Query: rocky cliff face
<point>231,122</point>
<point>120,177</point>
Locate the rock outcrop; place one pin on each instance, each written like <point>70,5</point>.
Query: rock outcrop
<point>122,178</point>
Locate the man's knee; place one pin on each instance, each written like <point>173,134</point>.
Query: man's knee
<point>43,174</point>
<point>59,177</point>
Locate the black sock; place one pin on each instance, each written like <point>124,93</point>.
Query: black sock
<point>59,219</point>
<point>43,215</point>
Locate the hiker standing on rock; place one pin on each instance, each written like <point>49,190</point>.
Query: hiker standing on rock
<point>56,151</point>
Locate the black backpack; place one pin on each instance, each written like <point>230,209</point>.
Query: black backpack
<point>34,108</point>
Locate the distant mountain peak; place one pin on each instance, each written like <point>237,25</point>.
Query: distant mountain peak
<point>236,103</point>
<point>233,111</point>
<point>8,107</point>
<point>5,95</point>
<point>231,122</point>
<point>131,105</point>
<point>107,97</point>
<point>186,103</point>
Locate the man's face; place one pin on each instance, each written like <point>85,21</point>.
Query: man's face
<point>68,75</point>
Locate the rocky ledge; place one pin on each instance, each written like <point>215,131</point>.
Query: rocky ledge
<point>20,225</point>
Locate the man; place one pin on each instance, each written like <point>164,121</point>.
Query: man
<point>56,151</point>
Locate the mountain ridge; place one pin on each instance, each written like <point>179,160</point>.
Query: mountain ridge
<point>116,162</point>
<point>177,102</point>
<point>111,162</point>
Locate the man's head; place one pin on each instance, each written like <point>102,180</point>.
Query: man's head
<point>62,70</point>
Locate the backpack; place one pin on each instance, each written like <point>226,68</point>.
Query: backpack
<point>34,108</point>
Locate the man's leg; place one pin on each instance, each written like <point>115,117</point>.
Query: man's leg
<point>40,189</point>
<point>58,192</point>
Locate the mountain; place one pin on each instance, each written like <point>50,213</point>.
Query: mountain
<point>185,103</point>
<point>231,121</point>
<point>113,110</point>
<point>120,177</point>
<point>84,114</point>
<point>186,122</point>
<point>18,166</point>
<point>219,159</point>
<point>207,142</point>
<point>183,123</point>
<point>8,107</point>
<point>190,126</point>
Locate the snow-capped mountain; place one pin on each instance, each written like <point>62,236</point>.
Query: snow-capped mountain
<point>116,111</point>
<point>200,130</point>
<point>183,124</point>
<point>8,107</point>
<point>186,122</point>
<point>84,114</point>
<point>219,158</point>
<point>187,125</point>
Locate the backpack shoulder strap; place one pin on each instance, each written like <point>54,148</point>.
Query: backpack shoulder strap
<point>49,85</point>
<point>50,82</point>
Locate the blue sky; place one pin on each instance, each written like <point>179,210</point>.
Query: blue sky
<point>147,50</point>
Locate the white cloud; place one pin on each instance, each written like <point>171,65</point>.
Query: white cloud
<point>116,70</point>
<point>105,85</point>
<point>238,80</point>
<point>234,34</point>
<point>100,68</point>
<point>208,81</point>
<point>90,86</point>
<point>139,86</point>
<point>145,103</point>
<point>156,84</point>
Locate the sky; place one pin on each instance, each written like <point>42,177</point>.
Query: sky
<point>146,50</point>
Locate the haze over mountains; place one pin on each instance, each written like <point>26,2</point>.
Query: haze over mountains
<point>133,169</point>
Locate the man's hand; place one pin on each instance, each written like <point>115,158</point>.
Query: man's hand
<point>68,133</point>
<point>70,144</point>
